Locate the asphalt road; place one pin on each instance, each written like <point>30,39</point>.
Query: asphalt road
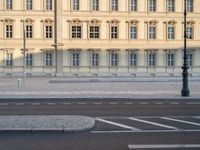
<point>121,125</point>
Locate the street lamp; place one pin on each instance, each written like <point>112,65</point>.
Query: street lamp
<point>24,52</point>
<point>55,36</point>
<point>185,90</point>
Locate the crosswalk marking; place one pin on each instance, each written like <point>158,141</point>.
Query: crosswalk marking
<point>153,123</point>
<point>178,120</point>
<point>117,124</point>
<point>171,146</point>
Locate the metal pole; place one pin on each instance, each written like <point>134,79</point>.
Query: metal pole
<point>185,90</point>
<point>55,37</point>
<point>24,52</point>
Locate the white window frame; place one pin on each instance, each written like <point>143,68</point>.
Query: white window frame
<point>94,32</point>
<point>9,31</point>
<point>75,5</point>
<point>114,59</point>
<point>95,59</point>
<point>95,5</point>
<point>29,59</point>
<point>76,34</point>
<point>9,59</point>
<point>152,59</point>
<point>49,31</point>
<point>9,4</point>
<point>152,5</point>
<point>114,5</point>
<point>49,59</point>
<point>132,58</point>
<point>114,32</point>
<point>29,4</point>
<point>170,32</point>
<point>190,32</point>
<point>190,5</point>
<point>133,5</point>
<point>152,32</point>
<point>170,5</point>
<point>170,58</point>
<point>29,31</point>
<point>133,32</point>
<point>190,58</point>
<point>49,5</point>
<point>75,56</point>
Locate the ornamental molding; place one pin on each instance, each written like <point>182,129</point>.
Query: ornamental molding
<point>76,21</point>
<point>171,22</point>
<point>8,21</point>
<point>47,21</point>
<point>94,22</point>
<point>152,22</point>
<point>114,22</point>
<point>133,22</point>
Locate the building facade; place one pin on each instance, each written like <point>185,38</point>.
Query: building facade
<point>99,37</point>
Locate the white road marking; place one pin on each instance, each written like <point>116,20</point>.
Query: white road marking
<point>144,131</point>
<point>128,103</point>
<point>174,103</point>
<point>113,103</point>
<point>117,124</point>
<point>164,146</point>
<point>97,103</point>
<point>35,104</point>
<point>178,120</point>
<point>66,103</point>
<point>19,104</point>
<point>51,103</point>
<point>159,103</point>
<point>193,103</point>
<point>3,104</point>
<point>82,103</point>
<point>153,123</point>
<point>144,103</point>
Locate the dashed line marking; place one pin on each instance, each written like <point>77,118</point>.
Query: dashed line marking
<point>159,103</point>
<point>82,103</point>
<point>19,104</point>
<point>35,103</point>
<point>50,103</point>
<point>174,103</point>
<point>113,103</point>
<point>144,103</point>
<point>66,103</point>
<point>97,103</point>
<point>192,103</point>
<point>168,146</point>
<point>128,103</point>
<point>3,104</point>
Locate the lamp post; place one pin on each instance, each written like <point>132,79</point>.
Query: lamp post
<point>24,52</point>
<point>185,90</point>
<point>55,37</point>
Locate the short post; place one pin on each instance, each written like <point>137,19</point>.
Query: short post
<point>19,83</point>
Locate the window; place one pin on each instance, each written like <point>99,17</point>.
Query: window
<point>113,59</point>
<point>29,31</point>
<point>170,59</point>
<point>9,4</point>
<point>133,5</point>
<point>9,59</point>
<point>75,5</point>
<point>48,31</point>
<point>171,32</point>
<point>132,58</point>
<point>95,59</point>
<point>133,32</point>
<point>152,5</point>
<point>29,59</point>
<point>76,32</point>
<point>189,32</point>
<point>189,4</point>
<point>49,59</point>
<point>152,59</point>
<point>189,58</point>
<point>48,4</point>
<point>114,32</point>
<point>94,32</point>
<point>29,4</point>
<point>152,32</point>
<point>9,31</point>
<point>171,5</point>
<point>114,5</point>
<point>75,59</point>
<point>95,5</point>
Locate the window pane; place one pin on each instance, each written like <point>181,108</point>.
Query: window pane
<point>95,5</point>
<point>171,5</point>
<point>152,5</point>
<point>29,4</point>
<point>114,5</point>
<point>133,5</point>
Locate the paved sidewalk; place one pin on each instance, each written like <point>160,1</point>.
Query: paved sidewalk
<point>134,88</point>
<point>45,123</point>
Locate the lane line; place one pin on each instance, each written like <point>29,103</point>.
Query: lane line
<point>113,103</point>
<point>182,121</point>
<point>174,103</point>
<point>82,103</point>
<point>144,103</point>
<point>97,103</point>
<point>128,103</point>
<point>19,104</point>
<point>66,103</point>
<point>192,103</point>
<point>50,103</point>
<point>153,123</point>
<point>117,124</point>
<point>3,104</point>
<point>164,146</point>
<point>159,103</point>
<point>35,104</point>
<point>143,131</point>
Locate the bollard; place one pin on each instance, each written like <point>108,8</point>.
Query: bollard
<point>19,82</point>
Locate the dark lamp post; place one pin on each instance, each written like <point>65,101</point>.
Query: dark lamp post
<point>185,90</point>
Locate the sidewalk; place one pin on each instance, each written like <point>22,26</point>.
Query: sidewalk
<point>133,88</point>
